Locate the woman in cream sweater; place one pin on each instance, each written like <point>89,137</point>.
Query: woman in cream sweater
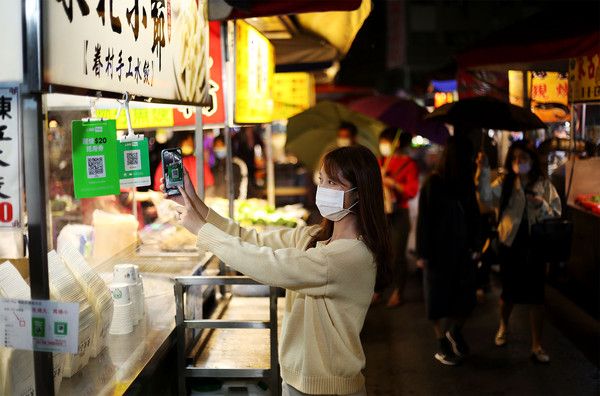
<point>329,270</point>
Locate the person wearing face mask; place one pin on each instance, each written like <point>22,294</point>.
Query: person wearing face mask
<point>522,196</point>
<point>400,175</point>
<point>219,171</point>
<point>329,271</point>
<point>347,134</point>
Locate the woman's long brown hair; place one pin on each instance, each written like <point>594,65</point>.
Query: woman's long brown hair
<point>359,166</point>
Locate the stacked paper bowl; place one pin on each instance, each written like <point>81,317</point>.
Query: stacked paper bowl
<point>123,313</point>
<point>129,274</point>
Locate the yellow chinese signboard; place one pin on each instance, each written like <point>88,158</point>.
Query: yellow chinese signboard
<point>548,95</point>
<point>254,70</point>
<point>292,94</point>
<point>584,79</point>
<point>140,118</point>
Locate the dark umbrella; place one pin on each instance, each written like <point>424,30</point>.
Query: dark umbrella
<point>486,112</point>
<point>401,113</point>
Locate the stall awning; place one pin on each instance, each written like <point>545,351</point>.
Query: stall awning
<point>308,35</point>
<point>543,42</point>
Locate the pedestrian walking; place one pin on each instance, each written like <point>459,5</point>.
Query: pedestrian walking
<point>329,270</point>
<point>523,197</point>
<point>400,175</point>
<point>448,243</point>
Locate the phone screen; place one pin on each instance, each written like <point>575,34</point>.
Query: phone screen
<point>172,170</point>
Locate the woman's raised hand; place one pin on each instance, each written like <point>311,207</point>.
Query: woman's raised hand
<point>195,200</point>
<point>187,214</point>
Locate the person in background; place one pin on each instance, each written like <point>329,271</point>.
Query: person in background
<point>329,270</point>
<point>448,243</point>
<point>401,183</point>
<point>347,134</point>
<point>247,144</point>
<point>219,172</point>
<point>523,196</point>
<point>189,162</point>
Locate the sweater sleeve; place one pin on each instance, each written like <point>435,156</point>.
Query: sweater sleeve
<point>304,271</point>
<point>277,239</point>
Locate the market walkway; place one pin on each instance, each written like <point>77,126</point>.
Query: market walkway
<point>399,345</point>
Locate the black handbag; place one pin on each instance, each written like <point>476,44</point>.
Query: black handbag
<point>551,239</point>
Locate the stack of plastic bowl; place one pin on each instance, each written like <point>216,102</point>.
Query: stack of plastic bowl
<point>96,292</point>
<point>64,287</point>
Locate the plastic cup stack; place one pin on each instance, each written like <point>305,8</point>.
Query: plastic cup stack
<point>122,321</point>
<point>125,273</point>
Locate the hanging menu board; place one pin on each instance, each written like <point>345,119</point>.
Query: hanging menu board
<point>150,48</point>
<point>254,69</point>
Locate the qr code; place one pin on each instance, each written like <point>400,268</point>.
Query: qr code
<point>133,160</point>
<point>95,167</point>
<point>175,173</point>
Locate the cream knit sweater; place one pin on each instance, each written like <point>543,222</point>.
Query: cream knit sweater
<point>328,292</point>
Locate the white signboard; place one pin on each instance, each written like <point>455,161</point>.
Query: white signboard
<point>150,48</point>
<point>11,41</point>
<point>39,325</point>
<point>11,177</point>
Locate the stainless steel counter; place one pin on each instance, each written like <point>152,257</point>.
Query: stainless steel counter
<point>126,355</point>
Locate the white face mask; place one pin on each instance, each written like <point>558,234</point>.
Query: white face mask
<point>344,142</point>
<point>331,203</point>
<point>220,153</point>
<point>385,149</point>
<point>522,168</point>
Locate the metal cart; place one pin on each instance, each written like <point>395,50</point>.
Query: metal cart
<point>213,351</point>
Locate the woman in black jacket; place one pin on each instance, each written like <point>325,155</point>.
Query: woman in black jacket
<point>448,242</point>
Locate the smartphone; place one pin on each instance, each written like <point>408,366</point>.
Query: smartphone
<point>172,170</point>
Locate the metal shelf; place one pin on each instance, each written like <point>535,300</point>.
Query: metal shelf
<point>238,340</point>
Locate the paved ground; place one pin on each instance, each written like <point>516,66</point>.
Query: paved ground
<point>399,344</point>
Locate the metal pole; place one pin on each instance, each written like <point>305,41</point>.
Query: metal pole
<point>270,165</point>
<point>229,170</point>
<point>36,176</point>
<point>199,153</point>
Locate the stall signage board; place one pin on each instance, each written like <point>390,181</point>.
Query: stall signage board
<point>584,79</point>
<point>549,95</point>
<point>214,113</point>
<point>149,48</point>
<point>11,177</point>
<point>292,94</point>
<point>134,163</point>
<point>95,168</point>
<point>140,118</point>
<point>11,41</point>
<point>254,70</point>
<point>39,325</point>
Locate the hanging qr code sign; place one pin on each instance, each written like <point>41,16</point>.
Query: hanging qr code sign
<point>95,169</point>
<point>134,163</point>
<point>11,177</point>
<point>150,48</point>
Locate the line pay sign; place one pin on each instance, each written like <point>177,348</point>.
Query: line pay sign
<point>102,164</point>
